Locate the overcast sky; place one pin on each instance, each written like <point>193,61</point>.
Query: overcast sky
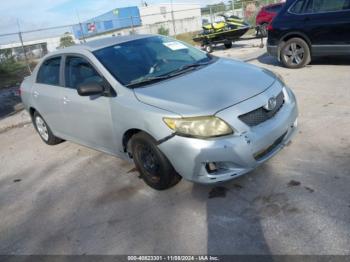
<point>33,14</point>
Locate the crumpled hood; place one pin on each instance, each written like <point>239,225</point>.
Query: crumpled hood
<point>207,90</point>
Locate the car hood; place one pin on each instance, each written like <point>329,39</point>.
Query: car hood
<point>207,90</point>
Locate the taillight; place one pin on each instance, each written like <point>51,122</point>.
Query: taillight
<point>19,92</point>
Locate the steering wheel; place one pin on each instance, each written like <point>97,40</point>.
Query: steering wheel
<point>157,65</point>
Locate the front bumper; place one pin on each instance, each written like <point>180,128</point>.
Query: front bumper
<point>236,154</point>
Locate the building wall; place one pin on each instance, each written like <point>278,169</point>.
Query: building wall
<point>52,43</point>
<point>163,12</point>
<point>113,20</point>
<point>187,19</point>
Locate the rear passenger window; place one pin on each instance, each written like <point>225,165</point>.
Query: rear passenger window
<point>78,71</point>
<point>275,8</point>
<point>298,7</point>
<point>49,72</point>
<point>319,6</point>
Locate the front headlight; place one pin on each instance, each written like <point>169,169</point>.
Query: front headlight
<point>281,79</point>
<point>275,75</point>
<point>201,127</point>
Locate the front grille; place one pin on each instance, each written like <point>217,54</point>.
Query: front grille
<point>263,153</point>
<point>260,115</point>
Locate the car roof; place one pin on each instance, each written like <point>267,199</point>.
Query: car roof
<point>100,43</point>
<point>275,4</point>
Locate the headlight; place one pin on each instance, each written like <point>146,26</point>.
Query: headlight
<point>276,75</point>
<point>281,79</point>
<point>201,127</point>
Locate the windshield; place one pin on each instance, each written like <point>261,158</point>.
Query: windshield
<point>149,58</point>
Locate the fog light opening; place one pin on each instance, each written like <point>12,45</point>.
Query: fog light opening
<point>211,167</point>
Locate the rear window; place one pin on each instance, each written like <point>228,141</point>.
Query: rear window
<point>274,8</point>
<point>319,6</point>
<point>298,7</point>
<point>49,72</point>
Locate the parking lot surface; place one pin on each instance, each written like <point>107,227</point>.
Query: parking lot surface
<point>68,199</point>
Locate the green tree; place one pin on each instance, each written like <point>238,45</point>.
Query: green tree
<point>163,31</point>
<point>66,40</point>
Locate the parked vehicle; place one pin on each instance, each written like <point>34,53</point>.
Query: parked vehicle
<point>266,15</point>
<point>308,28</point>
<point>175,110</point>
<point>222,32</point>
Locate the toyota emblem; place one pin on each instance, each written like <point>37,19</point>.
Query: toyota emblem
<point>271,104</point>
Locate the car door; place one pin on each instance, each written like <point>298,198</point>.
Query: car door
<point>88,119</point>
<point>46,93</point>
<point>328,23</point>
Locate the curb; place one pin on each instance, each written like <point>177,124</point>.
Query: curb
<point>8,128</point>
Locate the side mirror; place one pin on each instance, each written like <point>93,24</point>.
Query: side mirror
<point>90,89</point>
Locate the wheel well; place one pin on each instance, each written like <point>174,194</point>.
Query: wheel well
<point>31,112</point>
<point>296,35</point>
<point>127,136</point>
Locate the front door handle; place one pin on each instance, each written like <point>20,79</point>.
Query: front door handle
<point>65,100</point>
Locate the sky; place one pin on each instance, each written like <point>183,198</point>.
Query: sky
<point>33,14</point>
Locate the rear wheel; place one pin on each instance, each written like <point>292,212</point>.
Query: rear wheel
<point>155,169</point>
<point>295,53</point>
<point>44,130</point>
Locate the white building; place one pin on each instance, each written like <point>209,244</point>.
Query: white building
<point>34,48</point>
<point>186,17</point>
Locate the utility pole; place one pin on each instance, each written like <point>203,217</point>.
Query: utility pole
<point>173,17</point>
<point>23,49</point>
<point>81,26</point>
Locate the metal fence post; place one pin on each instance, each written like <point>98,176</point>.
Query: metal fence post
<point>132,25</point>
<point>24,52</point>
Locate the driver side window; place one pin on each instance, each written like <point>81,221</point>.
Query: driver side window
<point>78,71</point>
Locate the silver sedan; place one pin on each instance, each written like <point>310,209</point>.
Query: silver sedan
<point>174,110</point>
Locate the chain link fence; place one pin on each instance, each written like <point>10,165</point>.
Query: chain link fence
<point>20,51</point>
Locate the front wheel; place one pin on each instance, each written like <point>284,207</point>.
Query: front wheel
<point>295,53</point>
<point>44,130</point>
<point>208,48</point>
<point>155,169</point>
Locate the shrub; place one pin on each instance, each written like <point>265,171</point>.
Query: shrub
<point>163,31</point>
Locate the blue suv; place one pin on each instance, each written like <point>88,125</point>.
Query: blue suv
<point>308,28</point>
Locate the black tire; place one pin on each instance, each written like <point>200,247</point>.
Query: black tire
<point>155,169</point>
<point>295,53</point>
<point>208,48</point>
<point>49,137</point>
<point>228,44</point>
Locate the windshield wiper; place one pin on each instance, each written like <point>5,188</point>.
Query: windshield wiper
<point>154,79</point>
<point>147,80</point>
<point>189,66</point>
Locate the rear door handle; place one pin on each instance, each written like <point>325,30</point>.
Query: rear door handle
<point>35,94</point>
<point>65,100</point>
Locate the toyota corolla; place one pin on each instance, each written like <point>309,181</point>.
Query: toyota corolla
<point>173,109</point>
